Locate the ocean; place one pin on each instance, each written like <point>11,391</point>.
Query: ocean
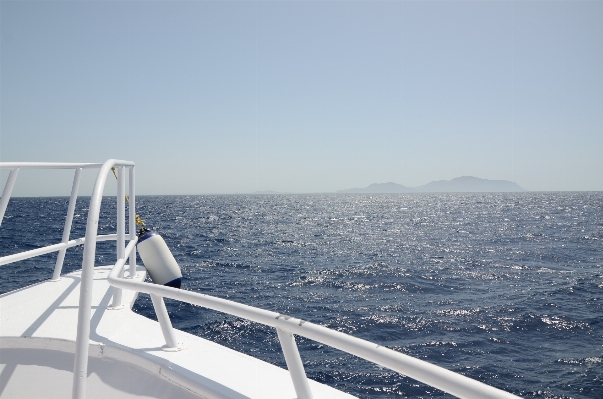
<point>503,288</point>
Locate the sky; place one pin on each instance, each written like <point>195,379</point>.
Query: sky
<point>211,97</point>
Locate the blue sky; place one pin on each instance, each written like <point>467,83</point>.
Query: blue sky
<point>305,96</point>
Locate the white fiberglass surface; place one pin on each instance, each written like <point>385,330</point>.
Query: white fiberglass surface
<point>37,342</point>
<point>44,373</point>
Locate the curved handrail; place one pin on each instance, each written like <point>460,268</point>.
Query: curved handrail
<point>80,365</point>
<point>436,376</point>
<point>89,241</point>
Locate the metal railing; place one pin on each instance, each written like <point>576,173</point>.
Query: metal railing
<point>286,326</point>
<point>65,243</point>
<point>89,241</point>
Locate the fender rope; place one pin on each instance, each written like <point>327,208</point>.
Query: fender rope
<point>138,220</point>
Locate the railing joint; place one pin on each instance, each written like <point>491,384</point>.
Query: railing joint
<point>294,364</point>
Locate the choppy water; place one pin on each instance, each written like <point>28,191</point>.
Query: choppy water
<point>504,288</point>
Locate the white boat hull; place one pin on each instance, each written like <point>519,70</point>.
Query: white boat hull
<point>127,356</point>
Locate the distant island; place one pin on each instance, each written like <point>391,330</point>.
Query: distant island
<point>463,184</point>
<point>271,192</point>
<point>266,192</point>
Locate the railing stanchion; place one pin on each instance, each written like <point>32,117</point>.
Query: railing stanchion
<point>56,275</point>
<point>121,230</point>
<point>80,363</point>
<point>164,321</point>
<point>8,189</point>
<point>294,364</point>
<point>132,219</point>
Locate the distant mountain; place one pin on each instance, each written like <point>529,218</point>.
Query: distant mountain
<point>469,184</point>
<point>464,184</point>
<point>380,188</point>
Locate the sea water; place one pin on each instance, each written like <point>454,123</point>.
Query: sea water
<point>503,288</point>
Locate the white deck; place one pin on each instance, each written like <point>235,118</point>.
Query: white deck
<point>38,330</point>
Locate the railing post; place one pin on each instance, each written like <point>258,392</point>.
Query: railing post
<point>121,230</point>
<point>164,321</point>
<point>58,266</point>
<point>132,219</point>
<point>294,364</point>
<point>80,363</point>
<point>8,189</point>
